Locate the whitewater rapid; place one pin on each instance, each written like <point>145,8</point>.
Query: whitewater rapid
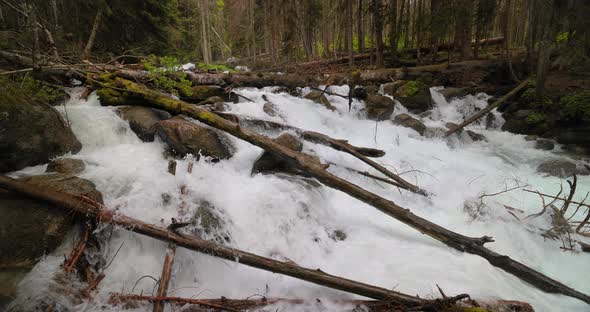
<point>286,219</point>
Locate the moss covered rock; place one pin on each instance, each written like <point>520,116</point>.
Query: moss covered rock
<point>415,96</point>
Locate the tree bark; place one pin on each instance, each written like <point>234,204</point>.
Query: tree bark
<point>89,210</point>
<point>314,168</point>
<point>378,30</point>
<point>165,277</point>
<point>393,31</point>
<point>92,37</point>
<point>359,27</point>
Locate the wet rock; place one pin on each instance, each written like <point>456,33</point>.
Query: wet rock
<point>531,137</point>
<point>434,132</point>
<point>509,306</point>
<point>544,144</point>
<point>391,87</point>
<point>66,165</point>
<point>360,93</point>
<point>30,228</point>
<point>268,163</point>
<point>490,121</point>
<point>452,125</point>
<point>320,98</point>
<point>579,136</point>
<point>560,167</point>
<point>425,114</point>
<point>408,121</point>
<point>211,100</point>
<point>142,120</point>
<point>184,137</point>
<point>218,107</point>
<point>338,235</point>
<point>450,92</point>
<point>372,89</point>
<point>32,134</point>
<point>476,136</point>
<point>270,109</point>
<point>208,223</point>
<point>379,107</point>
<point>415,96</point>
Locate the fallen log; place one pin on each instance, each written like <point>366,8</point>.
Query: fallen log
<point>121,88</point>
<point>488,108</point>
<point>165,277</point>
<point>339,145</point>
<point>193,243</point>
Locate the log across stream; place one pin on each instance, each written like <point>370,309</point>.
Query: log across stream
<point>284,219</point>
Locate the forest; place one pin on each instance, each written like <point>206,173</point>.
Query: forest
<point>304,155</point>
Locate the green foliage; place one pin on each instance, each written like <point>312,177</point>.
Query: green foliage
<point>576,107</point>
<point>167,75</point>
<point>536,118</point>
<point>530,97</point>
<point>29,89</point>
<point>564,36</point>
<point>213,67</point>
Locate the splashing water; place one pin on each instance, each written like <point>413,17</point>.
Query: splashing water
<point>285,219</point>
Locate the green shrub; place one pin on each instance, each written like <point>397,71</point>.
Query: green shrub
<point>576,107</point>
<point>30,89</point>
<point>167,75</point>
<point>412,87</point>
<point>536,118</point>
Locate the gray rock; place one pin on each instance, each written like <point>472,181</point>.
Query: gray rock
<point>415,96</point>
<point>270,109</point>
<point>320,98</point>
<point>531,137</point>
<point>203,92</point>
<point>390,87</point>
<point>66,165</point>
<point>450,92</point>
<point>30,228</point>
<point>184,137</point>
<point>476,136</point>
<point>434,132</point>
<point>267,162</point>
<point>209,224</point>
<point>379,107</point>
<point>490,120</point>
<point>372,89</point>
<point>560,167</point>
<point>408,121</point>
<point>32,134</point>
<point>544,144</point>
<point>212,100</point>
<point>142,120</point>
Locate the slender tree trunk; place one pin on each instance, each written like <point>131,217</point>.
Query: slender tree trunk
<point>206,50</point>
<point>349,21</point>
<point>419,30</point>
<point>378,23</point>
<point>435,24</point>
<point>393,31</point>
<point>54,15</point>
<point>359,27</point>
<point>92,37</point>
<point>547,9</point>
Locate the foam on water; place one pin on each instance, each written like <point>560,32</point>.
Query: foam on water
<point>287,219</point>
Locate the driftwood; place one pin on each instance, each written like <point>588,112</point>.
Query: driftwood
<point>488,108</point>
<point>138,94</point>
<point>165,277</point>
<point>340,145</point>
<point>89,210</point>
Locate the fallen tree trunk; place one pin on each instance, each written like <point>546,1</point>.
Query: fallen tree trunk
<point>340,145</point>
<point>193,243</point>
<point>121,88</point>
<point>488,108</point>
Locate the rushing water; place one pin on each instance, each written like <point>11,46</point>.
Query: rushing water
<point>285,219</point>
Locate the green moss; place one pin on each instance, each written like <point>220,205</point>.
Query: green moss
<point>166,74</point>
<point>30,89</point>
<point>412,88</point>
<point>575,107</point>
<point>536,118</point>
<point>213,67</point>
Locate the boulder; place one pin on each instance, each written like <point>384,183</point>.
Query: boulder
<point>320,98</point>
<point>30,229</point>
<point>269,108</point>
<point>212,100</point>
<point>142,120</point>
<point>372,89</point>
<point>32,134</point>
<point>434,132</point>
<point>391,87</point>
<point>544,144</point>
<point>360,93</point>
<point>476,136</point>
<point>66,166</point>
<point>490,120</point>
<point>531,137</point>
<point>415,96</point>
<point>268,163</point>
<point>184,137</point>
<point>579,136</point>
<point>561,167</point>
<point>408,121</point>
<point>450,93</point>
<point>452,125</point>
<point>208,223</point>
<point>379,107</point>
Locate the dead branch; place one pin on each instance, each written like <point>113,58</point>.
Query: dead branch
<point>120,298</point>
<point>165,278</point>
<point>77,251</point>
<point>207,247</point>
<point>558,198</point>
<point>489,108</point>
<point>315,169</point>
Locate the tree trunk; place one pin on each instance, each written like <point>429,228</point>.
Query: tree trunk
<point>206,50</point>
<point>315,276</point>
<point>463,28</point>
<point>545,45</point>
<point>378,24</point>
<point>359,27</point>
<point>350,47</point>
<point>393,31</point>
<point>435,24</point>
<point>92,37</point>
<point>35,55</point>
<point>419,29</point>
<point>312,167</point>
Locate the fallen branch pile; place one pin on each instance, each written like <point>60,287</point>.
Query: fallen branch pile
<point>130,92</point>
